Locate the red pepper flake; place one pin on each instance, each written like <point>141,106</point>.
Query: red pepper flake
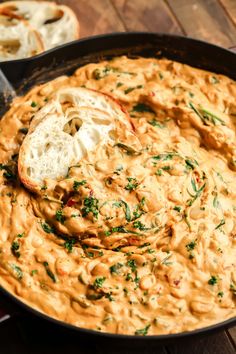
<point>134,241</point>
<point>176,282</point>
<point>70,202</point>
<point>132,126</point>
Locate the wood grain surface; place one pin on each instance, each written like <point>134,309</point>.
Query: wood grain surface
<point>230,9</point>
<point>205,19</point>
<point>210,20</point>
<point>152,15</point>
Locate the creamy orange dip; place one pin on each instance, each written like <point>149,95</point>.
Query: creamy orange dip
<point>139,238</point>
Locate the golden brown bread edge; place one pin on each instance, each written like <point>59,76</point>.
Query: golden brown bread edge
<point>22,169</point>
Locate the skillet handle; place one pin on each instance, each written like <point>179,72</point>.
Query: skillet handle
<point>8,309</point>
<point>4,315</point>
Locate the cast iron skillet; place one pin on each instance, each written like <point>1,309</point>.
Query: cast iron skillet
<point>25,73</point>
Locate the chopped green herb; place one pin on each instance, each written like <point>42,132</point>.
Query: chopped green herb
<point>166,168</point>
<point>159,172</point>
<point>21,235</point>
<point>119,168</point>
<point>132,185</point>
<point>128,277</point>
<point>197,192</point>
<point>33,104</point>
<point>34,271</point>
<point>90,254</point>
<point>48,229</point>
<point>136,280</point>
<point>138,210</point>
<point>120,229</point>
<point>191,164</point>
<point>23,130</point>
<point>130,89</point>
<point>44,188</point>
<point>60,217</point>
<point>49,272</point>
<point>157,124</point>
<point>18,271</point>
<point>216,202</point>
<point>117,204</point>
<point>137,213</point>
<point>128,149</point>
<point>77,184</point>
<point>206,116</point>
<point>109,297</point>
<point>15,249</point>
<point>97,74</point>
<point>114,269</point>
<point>142,331</point>
<point>100,74</point>
<point>146,244</point>
<point>213,280</point>
<point>177,208</point>
<point>190,246</point>
<point>139,225</point>
<point>142,202</point>
<point>165,260</point>
<point>132,264</point>
<point>214,80</point>
<point>127,211</point>
<point>90,206</point>
<point>233,288</point>
<point>165,156</point>
<point>95,296</point>
<point>98,283</point>
<point>9,174</point>
<point>126,291</point>
<point>220,294</point>
<point>119,84</point>
<point>69,244</point>
<point>222,222</point>
<point>142,107</point>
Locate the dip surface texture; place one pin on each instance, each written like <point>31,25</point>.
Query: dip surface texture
<point>140,236</point>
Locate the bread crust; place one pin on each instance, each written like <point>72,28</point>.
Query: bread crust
<point>39,46</point>
<point>16,8</point>
<point>119,111</point>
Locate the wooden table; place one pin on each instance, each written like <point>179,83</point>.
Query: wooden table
<point>210,20</point>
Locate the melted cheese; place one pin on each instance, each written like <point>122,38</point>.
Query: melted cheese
<point>140,238</point>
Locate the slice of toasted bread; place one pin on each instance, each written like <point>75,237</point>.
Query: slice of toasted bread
<point>63,131</point>
<point>17,38</point>
<point>57,24</point>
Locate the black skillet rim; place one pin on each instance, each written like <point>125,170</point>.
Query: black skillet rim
<point>157,338</point>
<point>87,39</point>
<point>95,333</point>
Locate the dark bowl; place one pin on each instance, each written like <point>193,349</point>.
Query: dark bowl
<point>25,73</point>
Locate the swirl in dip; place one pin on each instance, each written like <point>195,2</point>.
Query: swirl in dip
<point>139,237</point>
